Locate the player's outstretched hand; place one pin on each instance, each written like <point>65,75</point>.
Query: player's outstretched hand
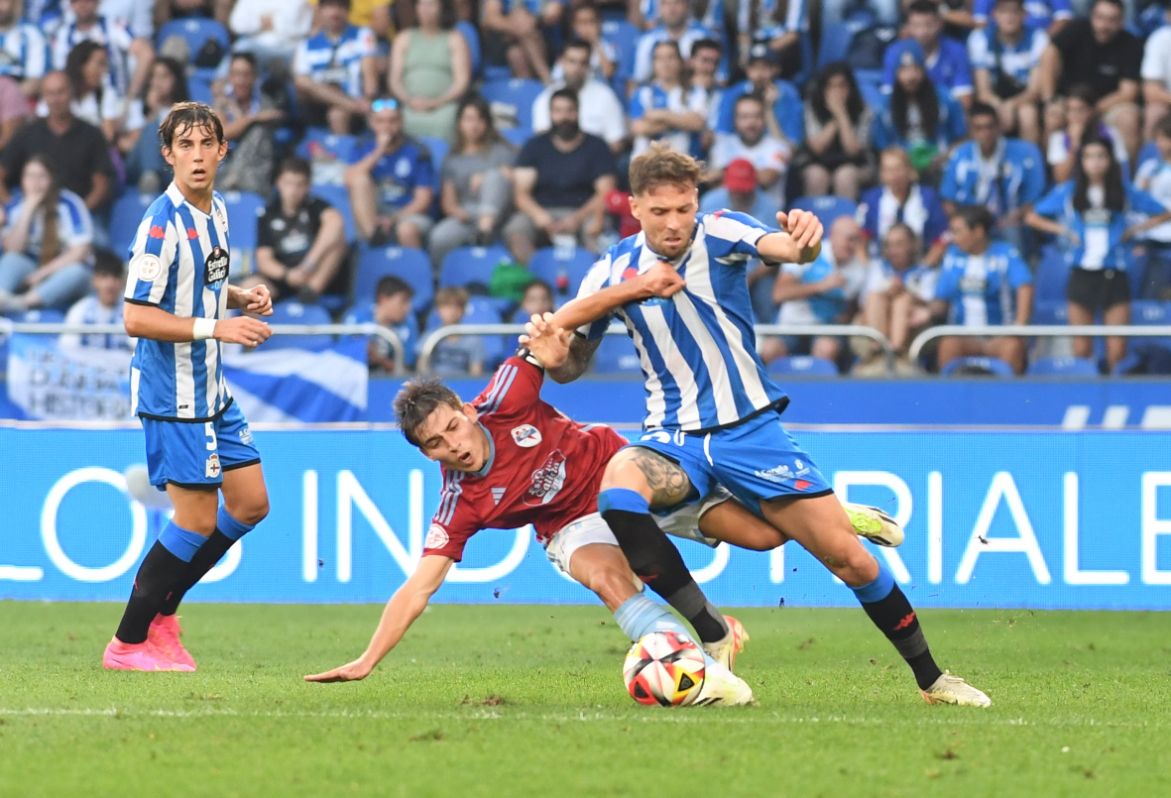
<point>350,672</point>
<point>242,330</point>
<point>806,231</point>
<point>258,300</point>
<point>661,280</point>
<point>550,345</point>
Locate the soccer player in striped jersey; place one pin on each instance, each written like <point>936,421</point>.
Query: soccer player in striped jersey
<point>197,441</point>
<point>712,413</point>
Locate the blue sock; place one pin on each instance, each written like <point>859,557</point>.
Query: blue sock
<point>638,616</point>
<point>876,591</point>
<point>622,499</point>
<point>183,543</point>
<point>892,613</point>
<point>229,526</point>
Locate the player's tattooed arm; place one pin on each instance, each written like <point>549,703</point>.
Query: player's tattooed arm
<point>581,352</point>
<point>668,482</point>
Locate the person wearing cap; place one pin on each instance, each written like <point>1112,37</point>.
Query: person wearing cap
<point>787,118</point>
<point>675,24</point>
<point>917,115</point>
<point>946,60</point>
<point>336,67</point>
<point>751,141</point>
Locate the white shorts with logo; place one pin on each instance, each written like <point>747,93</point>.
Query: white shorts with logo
<point>682,522</point>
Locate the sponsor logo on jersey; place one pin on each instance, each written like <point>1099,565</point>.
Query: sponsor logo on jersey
<point>216,266</point>
<point>497,495</point>
<point>246,436</point>
<point>547,480</point>
<point>211,469</point>
<point>785,473</point>
<point>526,436</point>
<point>436,537</point>
<point>147,266</point>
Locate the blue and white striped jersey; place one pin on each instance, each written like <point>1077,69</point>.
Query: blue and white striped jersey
<point>698,348</point>
<point>179,262</point>
<point>24,53</point>
<point>337,61</point>
<point>111,35</point>
<point>74,224</point>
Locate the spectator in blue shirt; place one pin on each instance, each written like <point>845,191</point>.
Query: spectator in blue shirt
<point>1047,15</point>
<point>390,181</point>
<point>918,116</point>
<point>1004,175</point>
<point>786,120</point>
<point>1090,213</point>
<point>392,309</point>
<point>665,109</point>
<point>779,24</point>
<point>24,59</point>
<point>982,283</point>
<point>337,65</point>
<point>946,60</point>
<point>1154,177</point>
<point>901,198</point>
<point>675,24</point>
<point>1004,57</point>
<point>514,35</point>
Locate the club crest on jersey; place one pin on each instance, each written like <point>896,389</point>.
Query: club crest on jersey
<point>436,537</point>
<point>216,266</point>
<point>526,436</point>
<point>211,468</point>
<point>547,480</point>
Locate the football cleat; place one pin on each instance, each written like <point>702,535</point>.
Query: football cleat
<point>164,634</point>
<point>721,687</point>
<point>949,689</point>
<point>874,524</point>
<point>143,656</point>
<point>725,651</point>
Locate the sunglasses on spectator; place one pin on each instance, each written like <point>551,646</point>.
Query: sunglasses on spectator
<point>384,104</point>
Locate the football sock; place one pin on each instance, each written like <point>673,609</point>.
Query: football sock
<point>161,572</point>
<point>656,561</point>
<point>228,531</point>
<point>887,606</point>
<point>638,616</point>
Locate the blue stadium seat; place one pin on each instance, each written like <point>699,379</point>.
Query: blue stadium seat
<point>482,310</point>
<point>412,265</point>
<point>125,217</point>
<point>616,355</point>
<point>339,198</point>
<point>1063,367</point>
<point>438,148</point>
<point>468,31</point>
<point>517,94</point>
<point>40,316</point>
<point>803,364</point>
<point>1052,276</point>
<point>623,37</point>
<point>244,210</point>
<point>199,86</point>
<point>1051,312</point>
<point>196,31</point>
<point>827,208</point>
<point>1150,313</point>
<point>835,43</point>
<point>516,136</point>
<point>551,263</point>
<point>977,366</point>
<point>294,312</point>
<point>468,265</point>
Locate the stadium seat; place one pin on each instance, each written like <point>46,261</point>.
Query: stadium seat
<point>835,43</point>
<point>1063,367</point>
<point>339,198</point>
<point>438,148</point>
<point>244,210</point>
<point>803,364</point>
<point>516,136</point>
<point>1051,313</point>
<point>40,316</point>
<point>199,87</point>
<point>125,217</point>
<point>616,355</point>
<point>827,208</point>
<point>475,54</point>
<point>1052,276</point>
<point>514,97</point>
<point>976,367</point>
<point>196,31</point>
<point>623,37</point>
<point>294,312</point>
<point>468,266</point>
<point>482,310</point>
<point>412,265</point>
<point>562,269</point>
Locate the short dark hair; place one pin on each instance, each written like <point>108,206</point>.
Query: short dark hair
<point>1084,92</point>
<point>417,400</point>
<point>186,116</point>
<point>566,93</point>
<point>577,44</point>
<point>705,44</point>
<point>674,45</point>
<point>748,97</point>
<point>1116,3</point>
<point>107,262</point>
<point>976,216</point>
<point>391,285</point>
<point>923,7</point>
<point>296,165</point>
<point>1020,3</point>
<point>537,282</point>
<point>982,109</point>
<point>241,55</point>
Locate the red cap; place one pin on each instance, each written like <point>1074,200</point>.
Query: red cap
<point>740,176</point>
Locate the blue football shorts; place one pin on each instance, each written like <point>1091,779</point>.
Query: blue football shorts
<point>757,460</point>
<point>196,454</point>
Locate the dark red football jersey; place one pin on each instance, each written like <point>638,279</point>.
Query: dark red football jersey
<point>543,468</point>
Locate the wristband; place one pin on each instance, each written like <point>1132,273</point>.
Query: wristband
<point>203,329</point>
<point>524,354</point>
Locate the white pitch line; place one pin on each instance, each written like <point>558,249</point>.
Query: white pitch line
<point>942,716</point>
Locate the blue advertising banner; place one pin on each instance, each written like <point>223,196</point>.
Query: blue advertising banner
<point>1054,519</point>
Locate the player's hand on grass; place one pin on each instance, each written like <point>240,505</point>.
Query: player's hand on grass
<point>550,345</point>
<point>661,280</point>
<point>350,672</point>
<point>257,299</point>
<point>242,330</point>
<point>806,231</point>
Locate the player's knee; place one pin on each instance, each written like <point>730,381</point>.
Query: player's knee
<point>853,564</point>
<point>251,511</point>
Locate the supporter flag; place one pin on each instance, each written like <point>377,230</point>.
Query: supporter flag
<point>46,381</point>
<point>299,385</point>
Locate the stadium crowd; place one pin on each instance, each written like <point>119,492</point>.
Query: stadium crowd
<point>418,163</point>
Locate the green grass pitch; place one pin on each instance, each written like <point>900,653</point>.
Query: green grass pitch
<point>518,701</point>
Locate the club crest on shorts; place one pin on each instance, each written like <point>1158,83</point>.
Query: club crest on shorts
<point>211,468</point>
<point>526,436</point>
<point>436,537</point>
<point>215,267</point>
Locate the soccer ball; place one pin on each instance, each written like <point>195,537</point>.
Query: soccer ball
<point>664,669</point>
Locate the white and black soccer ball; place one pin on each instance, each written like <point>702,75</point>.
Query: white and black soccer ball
<point>664,669</point>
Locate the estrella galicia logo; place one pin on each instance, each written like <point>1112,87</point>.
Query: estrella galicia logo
<point>215,268</point>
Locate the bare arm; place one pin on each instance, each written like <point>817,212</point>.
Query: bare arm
<point>1045,225</point>
<point>73,254</point>
<point>1048,71</point>
<point>1024,303</point>
<point>581,351</point>
<point>798,241</point>
<point>661,280</point>
<point>449,203</point>
<point>596,206</point>
<point>327,94</point>
<point>524,180</point>
<point>268,265</point>
<point>404,607</point>
<point>1154,91</point>
<point>420,202</point>
<point>1127,93</point>
<point>99,193</point>
<point>461,69</point>
<point>149,321</point>
<point>789,286</point>
<point>398,54</point>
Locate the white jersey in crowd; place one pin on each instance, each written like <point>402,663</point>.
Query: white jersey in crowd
<point>179,262</point>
